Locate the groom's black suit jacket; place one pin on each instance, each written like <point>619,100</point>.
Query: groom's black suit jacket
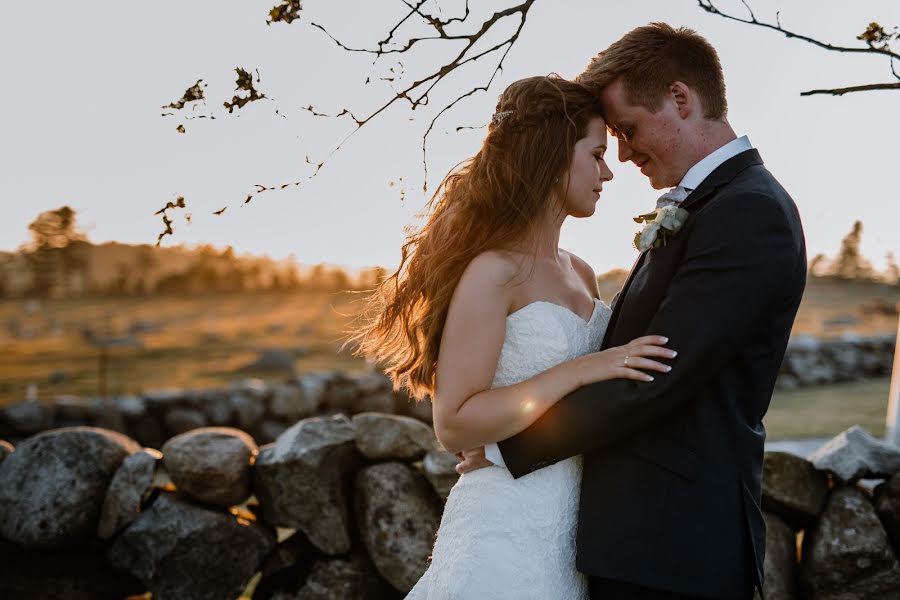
<point>670,496</point>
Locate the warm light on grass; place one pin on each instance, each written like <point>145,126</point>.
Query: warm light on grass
<point>821,412</point>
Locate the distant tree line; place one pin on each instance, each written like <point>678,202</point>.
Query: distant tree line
<point>850,264</point>
<point>59,261</point>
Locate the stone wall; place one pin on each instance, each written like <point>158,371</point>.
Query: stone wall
<point>811,361</point>
<point>340,507</point>
<point>266,409</point>
<point>328,484</point>
<point>333,508</point>
<point>262,409</point>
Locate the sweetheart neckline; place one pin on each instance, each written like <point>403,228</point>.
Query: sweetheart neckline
<point>597,303</point>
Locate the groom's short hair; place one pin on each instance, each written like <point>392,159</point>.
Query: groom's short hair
<point>650,58</point>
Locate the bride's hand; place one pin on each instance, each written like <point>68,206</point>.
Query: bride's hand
<point>628,361</point>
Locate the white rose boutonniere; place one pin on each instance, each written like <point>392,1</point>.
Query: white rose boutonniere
<point>658,226</point>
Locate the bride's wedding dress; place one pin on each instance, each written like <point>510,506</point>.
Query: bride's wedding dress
<point>515,538</point>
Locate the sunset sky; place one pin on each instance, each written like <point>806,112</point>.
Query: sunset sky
<point>81,120</point>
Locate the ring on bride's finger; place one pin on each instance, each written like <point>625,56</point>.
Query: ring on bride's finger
<point>626,361</point>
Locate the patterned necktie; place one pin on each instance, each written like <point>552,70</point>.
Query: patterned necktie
<point>673,197</point>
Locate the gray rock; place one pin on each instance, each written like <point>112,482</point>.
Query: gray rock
<point>130,485</point>
<point>372,383</point>
<point>272,359</point>
<point>159,400</point>
<point>417,409</point>
<point>792,488</point>
<point>290,403</point>
<point>211,464</point>
<point>108,415</point>
<point>390,437</point>
<point>179,420</point>
<point>252,387</point>
<point>218,410</point>
<point>855,454</point>
<point>267,431</point>
<point>79,574</point>
<point>28,417</point>
<point>182,551</point>
<point>398,520</point>
<point>314,386</point>
<point>845,356</point>
<point>786,382</point>
<point>803,344</point>
<point>70,409</point>
<point>379,402</point>
<point>343,579</point>
<point>300,480</point>
<point>248,408</point>
<point>149,431</point>
<point>440,470</point>
<point>52,487</point>
<point>132,407</point>
<point>846,554</point>
<point>341,396</point>
<point>780,568</point>
<point>290,561</point>
<point>887,505</point>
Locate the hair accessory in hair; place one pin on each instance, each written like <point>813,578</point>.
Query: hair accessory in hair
<point>497,117</point>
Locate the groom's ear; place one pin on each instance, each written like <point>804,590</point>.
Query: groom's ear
<point>684,98</point>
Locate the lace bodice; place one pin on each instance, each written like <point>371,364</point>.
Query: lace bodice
<point>515,538</point>
<point>543,334</point>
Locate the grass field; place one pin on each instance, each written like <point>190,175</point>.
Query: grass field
<point>197,341</point>
<point>826,411</point>
<point>202,341</point>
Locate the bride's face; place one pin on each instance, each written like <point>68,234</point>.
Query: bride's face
<point>583,182</point>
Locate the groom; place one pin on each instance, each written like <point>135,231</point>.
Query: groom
<point>670,499</point>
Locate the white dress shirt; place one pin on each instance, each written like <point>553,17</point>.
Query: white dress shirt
<point>691,180</point>
<point>696,174</point>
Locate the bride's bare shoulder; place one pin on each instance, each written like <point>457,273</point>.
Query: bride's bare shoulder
<point>488,283</point>
<point>493,267</point>
<point>483,293</point>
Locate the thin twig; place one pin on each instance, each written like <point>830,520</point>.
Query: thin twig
<point>856,88</point>
<point>708,6</point>
<point>870,48</point>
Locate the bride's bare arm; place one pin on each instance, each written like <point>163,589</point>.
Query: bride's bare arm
<point>467,413</point>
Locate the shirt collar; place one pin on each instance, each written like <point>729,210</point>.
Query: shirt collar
<point>696,174</point>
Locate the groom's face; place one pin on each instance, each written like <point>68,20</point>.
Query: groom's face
<point>653,141</point>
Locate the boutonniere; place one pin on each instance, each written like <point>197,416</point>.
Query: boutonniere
<point>659,225</point>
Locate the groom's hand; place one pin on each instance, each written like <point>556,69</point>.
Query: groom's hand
<point>472,460</point>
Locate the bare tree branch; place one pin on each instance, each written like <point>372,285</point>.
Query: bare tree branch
<point>708,6</point>
<point>876,39</point>
<point>416,94</point>
<point>856,88</point>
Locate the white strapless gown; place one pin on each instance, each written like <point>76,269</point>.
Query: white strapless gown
<point>501,537</point>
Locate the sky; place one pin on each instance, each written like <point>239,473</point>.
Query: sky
<point>81,120</point>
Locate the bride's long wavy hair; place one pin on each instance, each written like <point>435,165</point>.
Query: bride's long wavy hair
<point>495,200</point>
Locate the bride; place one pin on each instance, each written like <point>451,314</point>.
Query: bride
<point>488,316</point>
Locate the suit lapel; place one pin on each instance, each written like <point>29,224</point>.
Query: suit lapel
<point>723,174</point>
